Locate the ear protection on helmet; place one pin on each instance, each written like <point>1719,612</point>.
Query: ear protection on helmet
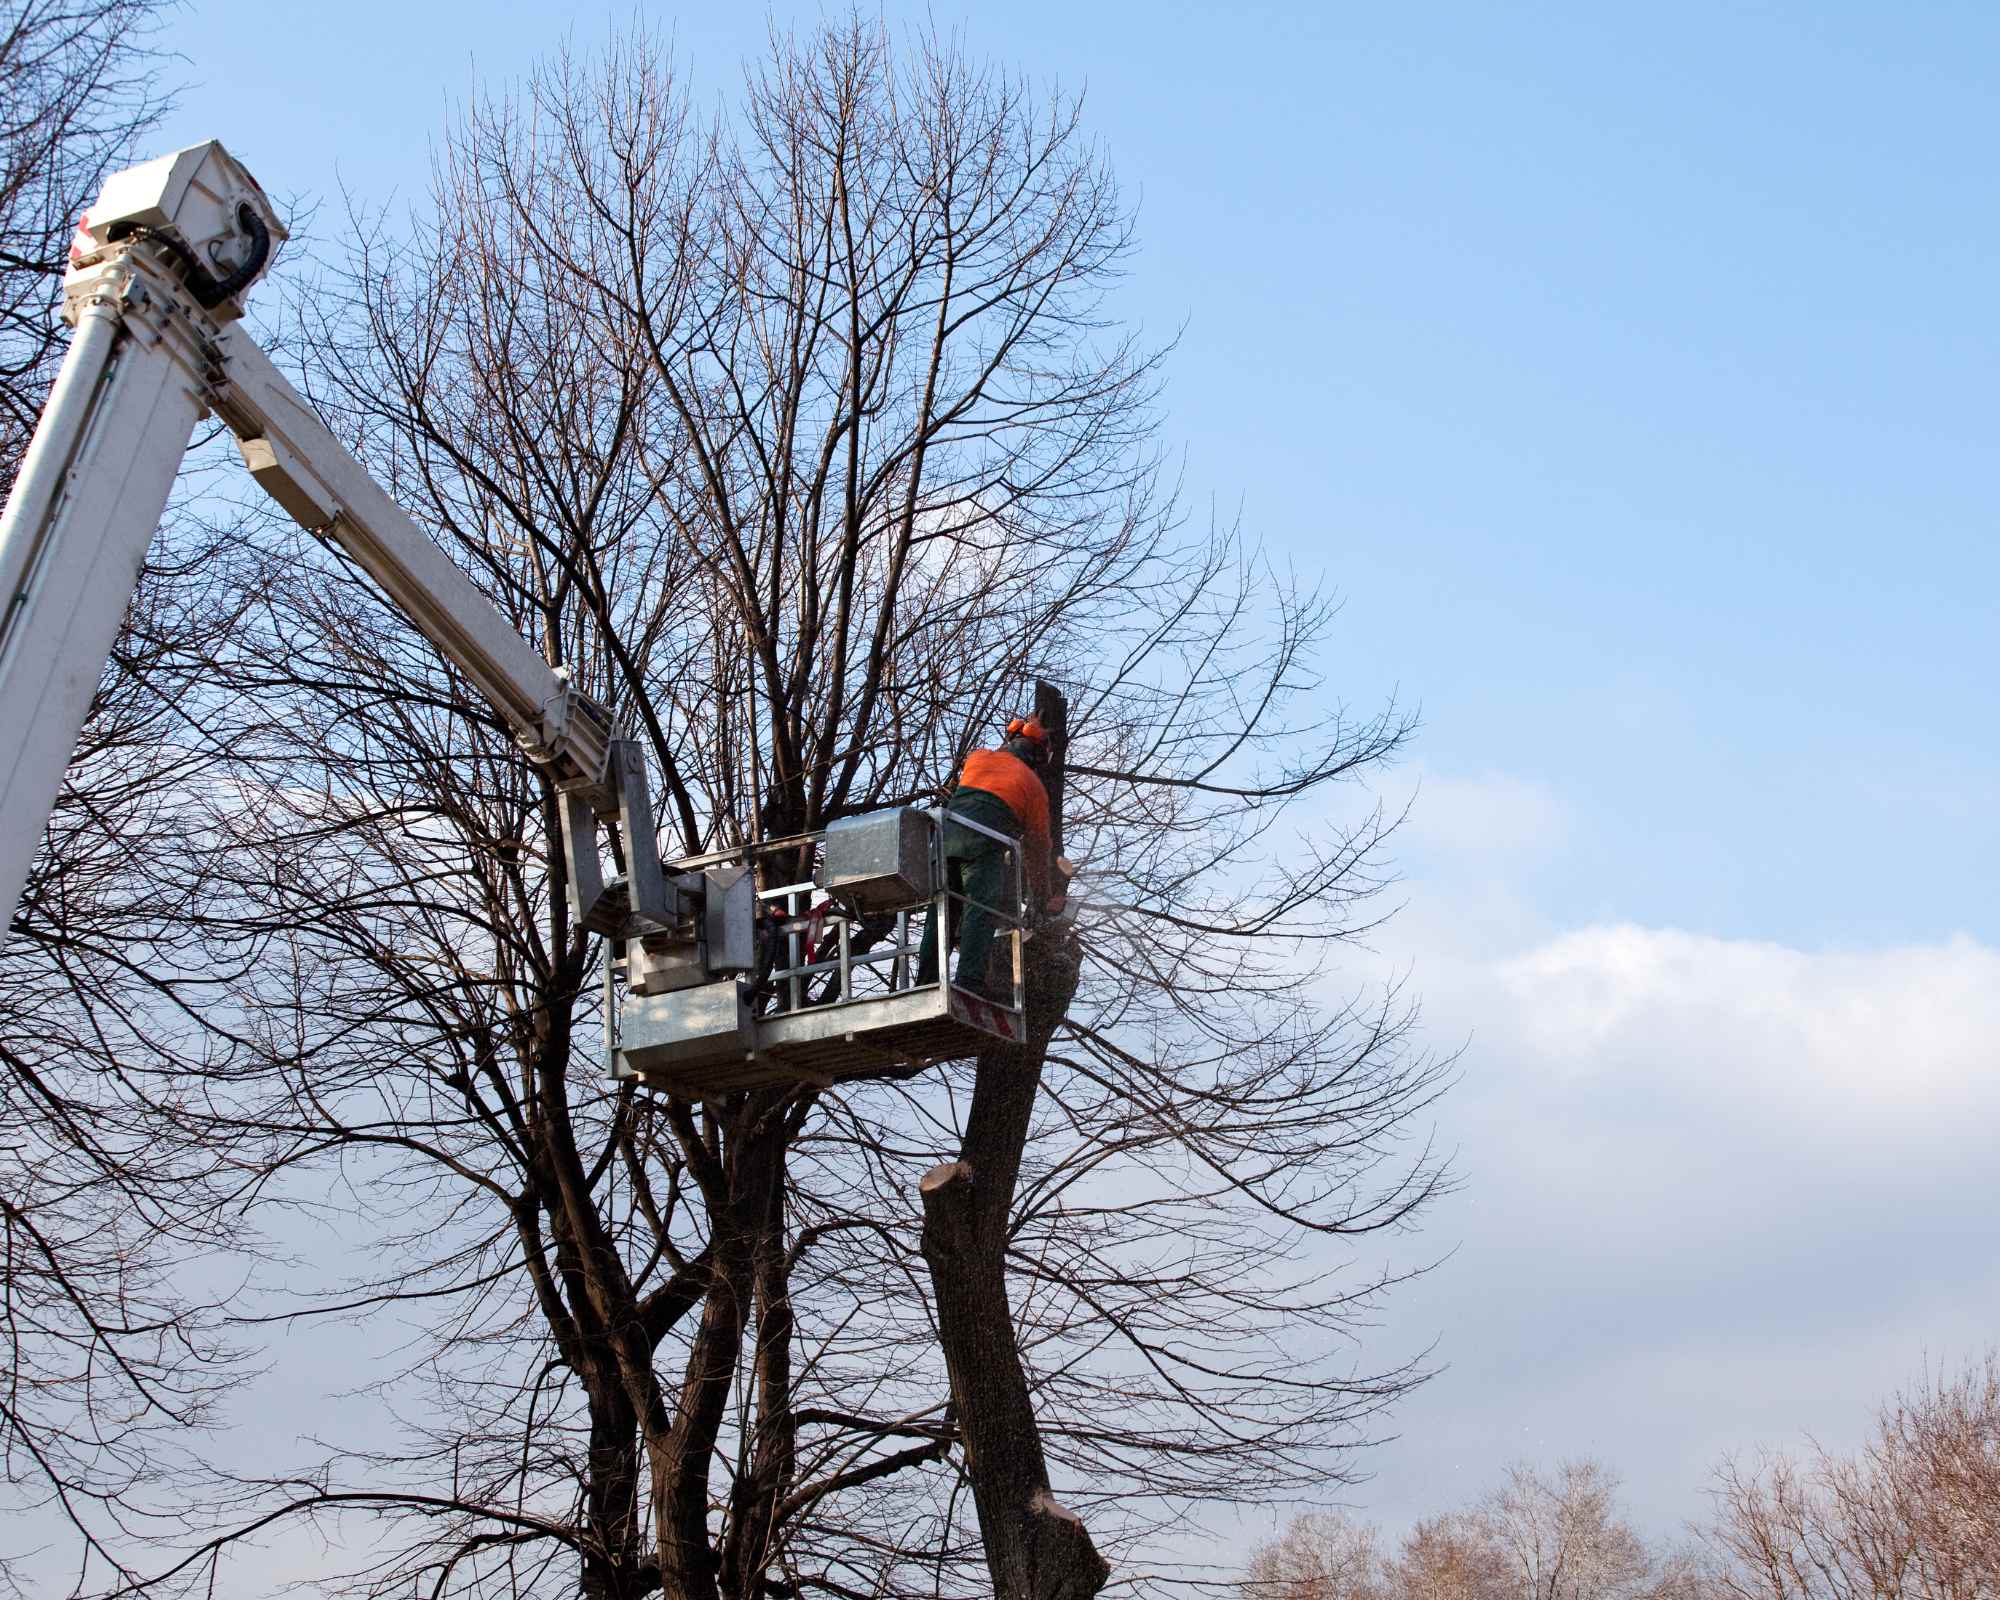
<point>1028,728</point>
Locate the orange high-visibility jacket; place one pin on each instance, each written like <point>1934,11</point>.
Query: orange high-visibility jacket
<point>1012,781</point>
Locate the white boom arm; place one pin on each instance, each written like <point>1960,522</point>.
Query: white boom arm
<point>154,291</point>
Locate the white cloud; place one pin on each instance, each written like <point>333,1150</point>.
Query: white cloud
<point>1905,1033</point>
<point>1716,1190</point>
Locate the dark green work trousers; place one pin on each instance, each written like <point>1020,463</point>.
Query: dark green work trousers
<point>981,869</point>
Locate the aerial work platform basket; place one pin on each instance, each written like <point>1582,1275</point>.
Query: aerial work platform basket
<point>797,961</point>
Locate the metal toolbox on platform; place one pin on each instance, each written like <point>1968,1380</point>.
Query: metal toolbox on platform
<point>878,862</point>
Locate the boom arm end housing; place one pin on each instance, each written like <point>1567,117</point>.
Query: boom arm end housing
<point>204,210</point>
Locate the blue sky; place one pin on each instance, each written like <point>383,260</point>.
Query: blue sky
<point>1631,379</point>
<point>1631,374</point>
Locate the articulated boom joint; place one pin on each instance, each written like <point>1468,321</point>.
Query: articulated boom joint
<point>639,902</point>
<point>553,740</point>
<point>600,776</point>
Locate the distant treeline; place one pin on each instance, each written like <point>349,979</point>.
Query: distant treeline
<point>1912,1514</point>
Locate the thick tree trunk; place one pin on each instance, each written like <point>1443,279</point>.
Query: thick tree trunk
<point>614,1571</point>
<point>683,1454</point>
<point>758,1491</point>
<point>1035,1548</point>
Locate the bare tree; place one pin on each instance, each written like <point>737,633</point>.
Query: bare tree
<point>1453,1556</point>
<point>1561,1534</point>
<point>1537,1535</point>
<point>1915,1513</point>
<point>78,88</point>
<point>114,1033</point>
<point>803,439</point>
<point>113,1351</point>
<point>1323,1555</point>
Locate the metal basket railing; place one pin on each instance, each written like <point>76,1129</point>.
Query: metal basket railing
<point>816,953</point>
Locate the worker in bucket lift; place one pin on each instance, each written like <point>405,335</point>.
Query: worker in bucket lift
<point>1001,790</point>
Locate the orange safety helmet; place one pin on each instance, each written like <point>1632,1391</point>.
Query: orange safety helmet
<point>1028,728</point>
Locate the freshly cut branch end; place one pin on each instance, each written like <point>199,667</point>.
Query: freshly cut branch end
<point>945,1172</point>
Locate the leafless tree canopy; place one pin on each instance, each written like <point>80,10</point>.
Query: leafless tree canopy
<point>1915,1512</point>
<point>1538,1535</point>
<point>1323,1555</point>
<point>113,1355</point>
<point>78,87</point>
<point>805,438</point>
<point>110,1189</point>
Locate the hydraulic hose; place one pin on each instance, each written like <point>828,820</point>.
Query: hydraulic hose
<point>208,290</point>
<point>260,252</point>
